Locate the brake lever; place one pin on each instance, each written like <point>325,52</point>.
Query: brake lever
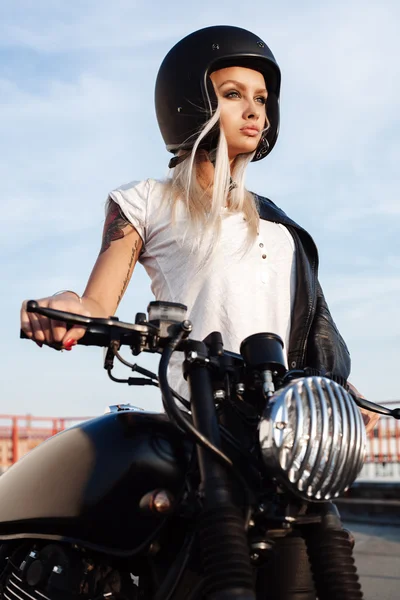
<point>58,315</point>
<point>376,408</point>
<point>75,319</point>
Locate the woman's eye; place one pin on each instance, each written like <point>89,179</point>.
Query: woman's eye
<point>262,100</point>
<point>232,94</point>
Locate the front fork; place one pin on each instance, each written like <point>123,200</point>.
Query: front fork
<point>314,560</point>
<point>223,540</point>
<point>330,551</point>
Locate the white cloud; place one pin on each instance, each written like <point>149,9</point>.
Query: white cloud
<point>58,27</point>
<point>341,81</point>
<point>77,119</point>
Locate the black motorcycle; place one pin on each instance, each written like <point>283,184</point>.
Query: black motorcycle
<point>228,496</point>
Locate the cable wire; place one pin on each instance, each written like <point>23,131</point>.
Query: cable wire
<point>173,411</point>
<point>177,416</point>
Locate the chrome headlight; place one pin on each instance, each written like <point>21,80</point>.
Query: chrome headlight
<point>312,436</point>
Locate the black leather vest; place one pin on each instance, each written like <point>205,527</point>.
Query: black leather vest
<point>315,341</point>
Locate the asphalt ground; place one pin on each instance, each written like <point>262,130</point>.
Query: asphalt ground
<point>377,555</point>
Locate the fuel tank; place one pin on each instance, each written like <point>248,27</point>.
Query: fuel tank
<point>84,485</point>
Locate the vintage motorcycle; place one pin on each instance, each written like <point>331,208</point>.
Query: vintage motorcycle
<point>228,496</point>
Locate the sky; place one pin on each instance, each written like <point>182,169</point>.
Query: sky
<point>77,120</point>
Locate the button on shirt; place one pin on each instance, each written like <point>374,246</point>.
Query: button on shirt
<point>226,285</point>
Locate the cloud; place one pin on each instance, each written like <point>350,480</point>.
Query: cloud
<point>56,27</point>
<point>58,145</point>
<point>339,140</point>
<point>77,119</point>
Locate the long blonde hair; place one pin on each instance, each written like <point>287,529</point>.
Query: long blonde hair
<point>205,211</point>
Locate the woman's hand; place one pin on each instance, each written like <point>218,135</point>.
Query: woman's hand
<point>47,331</point>
<point>370,418</point>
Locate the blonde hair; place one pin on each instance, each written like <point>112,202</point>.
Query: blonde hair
<point>204,209</point>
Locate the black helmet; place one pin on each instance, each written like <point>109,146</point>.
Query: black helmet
<point>184,95</point>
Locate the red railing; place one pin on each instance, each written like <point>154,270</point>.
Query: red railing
<point>21,433</point>
<point>383,444</point>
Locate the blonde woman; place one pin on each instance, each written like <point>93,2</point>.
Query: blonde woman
<point>238,262</point>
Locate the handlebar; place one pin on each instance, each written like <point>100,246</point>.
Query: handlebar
<point>99,331</point>
<point>147,337</point>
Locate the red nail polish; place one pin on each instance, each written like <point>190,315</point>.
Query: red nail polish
<point>40,344</point>
<point>68,344</point>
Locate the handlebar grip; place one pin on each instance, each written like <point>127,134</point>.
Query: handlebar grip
<point>23,336</point>
<point>99,330</point>
<point>94,339</point>
<point>98,335</point>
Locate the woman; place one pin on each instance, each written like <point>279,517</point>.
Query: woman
<point>234,258</point>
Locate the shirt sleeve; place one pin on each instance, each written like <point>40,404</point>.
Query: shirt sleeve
<point>132,199</point>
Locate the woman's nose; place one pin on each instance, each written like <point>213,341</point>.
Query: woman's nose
<point>252,111</point>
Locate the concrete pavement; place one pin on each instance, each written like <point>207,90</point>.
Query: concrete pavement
<point>377,555</point>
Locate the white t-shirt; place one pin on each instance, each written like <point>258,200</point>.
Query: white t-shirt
<point>236,291</point>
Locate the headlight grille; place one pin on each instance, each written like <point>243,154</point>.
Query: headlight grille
<point>313,437</point>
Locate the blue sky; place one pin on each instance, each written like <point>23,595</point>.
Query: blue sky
<point>77,119</point>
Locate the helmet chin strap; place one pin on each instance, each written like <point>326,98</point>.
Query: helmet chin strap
<point>177,160</point>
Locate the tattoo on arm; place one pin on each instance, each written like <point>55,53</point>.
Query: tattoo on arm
<point>129,272</point>
<point>113,227</point>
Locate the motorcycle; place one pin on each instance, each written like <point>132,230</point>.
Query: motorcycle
<point>228,496</point>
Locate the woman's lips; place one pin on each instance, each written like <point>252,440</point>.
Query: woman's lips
<point>250,131</point>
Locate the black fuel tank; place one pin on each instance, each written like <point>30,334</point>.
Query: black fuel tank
<point>85,483</point>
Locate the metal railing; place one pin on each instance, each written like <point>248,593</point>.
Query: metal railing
<point>383,450</point>
<point>21,433</point>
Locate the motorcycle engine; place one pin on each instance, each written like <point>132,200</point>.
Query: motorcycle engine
<point>58,572</point>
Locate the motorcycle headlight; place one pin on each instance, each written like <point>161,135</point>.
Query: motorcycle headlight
<point>313,438</point>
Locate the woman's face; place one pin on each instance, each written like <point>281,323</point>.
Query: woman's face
<point>242,99</point>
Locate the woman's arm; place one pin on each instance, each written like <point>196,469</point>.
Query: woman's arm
<point>107,283</point>
<point>114,266</point>
<point>327,352</point>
